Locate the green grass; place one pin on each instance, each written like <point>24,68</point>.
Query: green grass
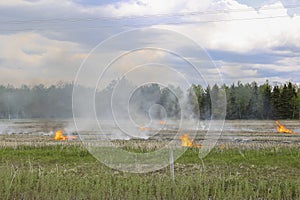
<point>70,172</point>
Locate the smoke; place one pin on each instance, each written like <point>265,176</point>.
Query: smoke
<point>140,81</point>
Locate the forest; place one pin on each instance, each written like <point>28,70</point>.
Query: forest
<point>244,101</point>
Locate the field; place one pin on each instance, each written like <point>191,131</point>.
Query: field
<point>254,162</point>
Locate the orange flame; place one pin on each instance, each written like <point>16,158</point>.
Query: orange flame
<point>222,146</point>
<point>143,128</point>
<point>281,128</point>
<point>186,142</point>
<point>161,122</point>
<point>58,135</point>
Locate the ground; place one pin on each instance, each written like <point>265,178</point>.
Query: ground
<point>256,163</point>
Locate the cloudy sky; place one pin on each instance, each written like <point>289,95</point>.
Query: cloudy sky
<point>46,41</point>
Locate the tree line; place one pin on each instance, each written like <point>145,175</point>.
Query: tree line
<point>253,101</point>
<point>244,101</point>
<point>36,102</point>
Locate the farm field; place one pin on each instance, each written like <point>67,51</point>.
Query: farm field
<point>250,161</point>
<point>140,99</point>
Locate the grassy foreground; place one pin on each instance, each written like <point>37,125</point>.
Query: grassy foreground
<point>70,172</point>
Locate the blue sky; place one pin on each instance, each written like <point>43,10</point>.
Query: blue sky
<point>46,41</point>
<point>254,3</point>
<point>95,3</point>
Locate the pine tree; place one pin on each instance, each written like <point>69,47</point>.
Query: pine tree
<point>195,99</point>
<point>232,112</point>
<point>253,105</point>
<point>206,106</point>
<point>266,101</point>
<point>276,103</point>
<point>286,101</point>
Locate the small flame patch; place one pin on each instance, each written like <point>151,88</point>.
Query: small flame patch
<point>186,142</point>
<point>58,135</point>
<point>161,122</point>
<point>282,129</point>
<point>143,128</point>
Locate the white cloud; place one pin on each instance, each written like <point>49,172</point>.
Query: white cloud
<point>237,72</point>
<point>14,3</point>
<point>54,53</point>
<point>233,34</point>
<point>236,35</point>
<point>152,7</point>
<point>30,58</point>
<point>281,72</point>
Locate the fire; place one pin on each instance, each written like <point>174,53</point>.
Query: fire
<point>281,128</point>
<point>186,142</point>
<point>58,135</point>
<point>142,128</point>
<point>222,146</point>
<point>161,122</point>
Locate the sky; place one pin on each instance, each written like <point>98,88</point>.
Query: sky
<point>47,41</point>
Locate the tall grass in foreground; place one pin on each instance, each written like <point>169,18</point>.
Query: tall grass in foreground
<point>60,184</point>
<point>70,172</point>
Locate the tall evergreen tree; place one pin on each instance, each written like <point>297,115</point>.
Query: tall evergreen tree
<point>266,101</point>
<point>195,100</point>
<point>206,106</point>
<point>253,104</point>
<point>276,103</point>
<point>232,109</point>
<point>286,101</point>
